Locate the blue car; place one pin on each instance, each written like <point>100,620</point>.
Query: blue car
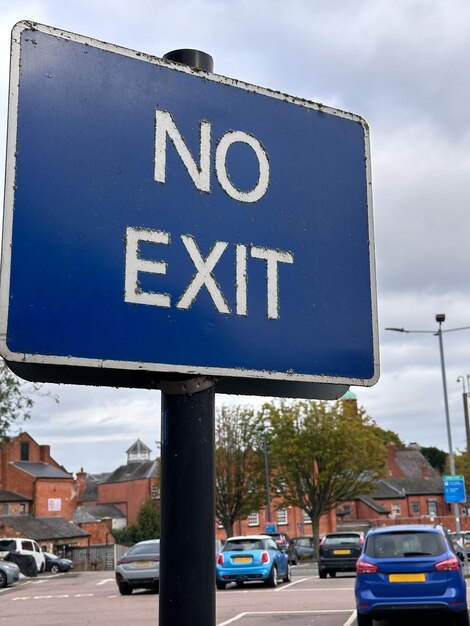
<point>252,558</point>
<point>409,569</point>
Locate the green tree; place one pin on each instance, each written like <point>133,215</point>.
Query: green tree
<point>148,519</point>
<point>238,465</point>
<point>147,525</point>
<point>16,399</point>
<point>322,453</point>
<point>436,457</point>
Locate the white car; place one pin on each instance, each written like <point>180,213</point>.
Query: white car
<point>25,547</point>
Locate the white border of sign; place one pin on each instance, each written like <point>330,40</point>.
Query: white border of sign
<point>131,365</point>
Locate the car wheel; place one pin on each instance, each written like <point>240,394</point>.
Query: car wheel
<point>322,573</point>
<point>125,589</point>
<point>3,580</point>
<point>272,579</point>
<point>219,584</point>
<point>55,569</point>
<point>364,620</point>
<point>288,577</point>
<point>333,574</point>
<point>461,619</point>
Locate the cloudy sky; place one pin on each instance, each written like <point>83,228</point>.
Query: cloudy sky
<point>403,66</point>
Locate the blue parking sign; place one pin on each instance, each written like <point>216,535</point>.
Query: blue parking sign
<point>162,222</point>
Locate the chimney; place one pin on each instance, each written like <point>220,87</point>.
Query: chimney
<point>393,469</point>
<point>81,482</point>
<point>45,453</point>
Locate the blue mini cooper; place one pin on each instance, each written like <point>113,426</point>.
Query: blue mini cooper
<point>252,558</point>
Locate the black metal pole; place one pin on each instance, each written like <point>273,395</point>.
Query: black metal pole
<point>187,558</point>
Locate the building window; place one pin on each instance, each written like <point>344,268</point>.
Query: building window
<point>347,510</point>
<point>415,508</point>
<point>22,509</point>
<point>253,519</point>
<point>24,451</point>
<point>395,509</point>
<point>306,518</point>
<point>282,517</point>
<point>5,508</point>
<point>432,507</point>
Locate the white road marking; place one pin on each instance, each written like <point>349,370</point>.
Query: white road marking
<point>288,586</point>
<point>317,612</point>
<point>106,580</point>
<point>350,619</point>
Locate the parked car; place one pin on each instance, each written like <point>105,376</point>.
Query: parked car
<point>139,567</point>
<point>409,568</point>
<point>303,547</point>
<point>56,564</point>
<point>24,547</point>
<point>9,573</point>
<point>459,549</point>
<point>339,552</point>
<point>285,544</point>
<point>252,558</point>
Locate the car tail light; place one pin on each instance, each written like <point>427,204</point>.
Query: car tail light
<point>363,567</point>
<point>281,541</point>
<point>264,557</point>
<point>122,561</point>
<point>220,559</point>
<point>448,565</point>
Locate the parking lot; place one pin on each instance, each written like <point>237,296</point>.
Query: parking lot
<point>92,598</point>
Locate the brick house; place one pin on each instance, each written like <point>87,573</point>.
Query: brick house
<point>412,491</point>
<point>51,533</point>
<point>126,488</point>
<point>42,486</point>
<point>291,521</point>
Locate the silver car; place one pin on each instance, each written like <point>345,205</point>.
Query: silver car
<point>9,573</point>
<point>139,567</point>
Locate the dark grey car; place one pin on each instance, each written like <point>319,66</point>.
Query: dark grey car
<point>339,552</point>
<point>139,567</point>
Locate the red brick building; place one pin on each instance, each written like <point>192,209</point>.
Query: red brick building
<point>411,492</point>
<point>126,488</point>
<point>38,484</point>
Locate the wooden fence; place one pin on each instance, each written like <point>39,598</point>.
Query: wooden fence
<point>95,558</point>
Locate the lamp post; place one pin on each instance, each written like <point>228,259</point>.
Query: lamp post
<point>465,394</point>
<point>440,318</point>
<point>266,471</point>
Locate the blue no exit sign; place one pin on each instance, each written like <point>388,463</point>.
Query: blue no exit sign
<point>164,222</point>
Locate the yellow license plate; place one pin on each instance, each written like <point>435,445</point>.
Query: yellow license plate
<point>143,564</point>
<point>407,578</point>
<point>242,559</point>
<point>341,551</point>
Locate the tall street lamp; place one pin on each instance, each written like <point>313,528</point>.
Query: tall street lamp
<point>465,394</point>
<point>440,317</point>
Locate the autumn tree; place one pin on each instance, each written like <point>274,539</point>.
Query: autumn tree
<point>322,453</point>
<point>238,465</point>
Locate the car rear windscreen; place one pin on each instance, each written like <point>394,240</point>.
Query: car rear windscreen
<point>243,545</point>
<point>337,540</point>
<point>7,545</point>
<point>148,548</point>
<point>405,544</point>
